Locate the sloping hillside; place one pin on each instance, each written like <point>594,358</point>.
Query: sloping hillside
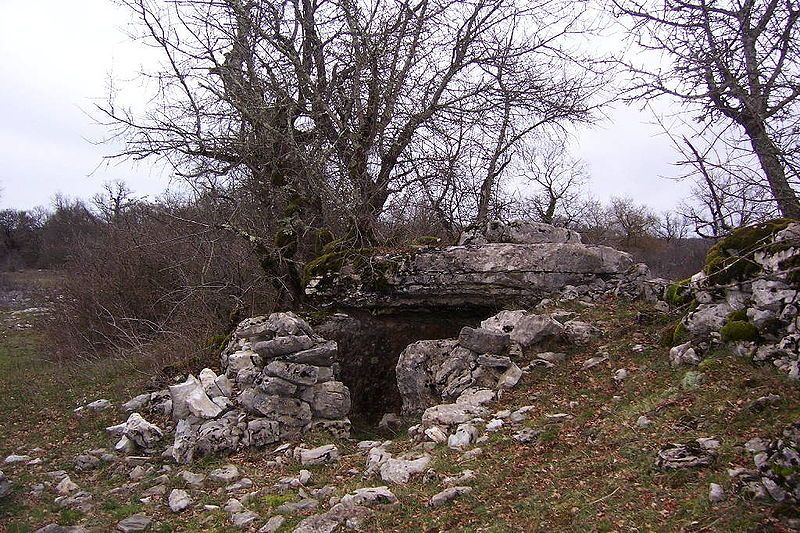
<point>590,468</point>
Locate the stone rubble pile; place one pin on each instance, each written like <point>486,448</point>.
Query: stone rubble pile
<point>697,453</point>
<point>473,368</point>
<point>777,468</point>
<point>278,381</point>
<point>748,295</point>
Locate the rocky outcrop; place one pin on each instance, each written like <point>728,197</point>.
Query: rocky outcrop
<point>748,295</point>
<point>511,265</point>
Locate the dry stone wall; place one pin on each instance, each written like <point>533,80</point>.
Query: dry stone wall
<point>279,380</point>
<point>748,296</point>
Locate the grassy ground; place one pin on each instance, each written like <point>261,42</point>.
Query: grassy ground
<point>592,473</point>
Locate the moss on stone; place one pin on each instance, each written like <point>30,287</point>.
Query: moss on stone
<point>667,336</point>
<point>218,342</point>
<point>284,237</point>
<point>731,259</point>
<point>678,293</point>
<point>322,265</point>
<point>792,264</point>
<point>739,330</point>
<point>680,335</point>
<point>738,315</point>
<point>322,238</point>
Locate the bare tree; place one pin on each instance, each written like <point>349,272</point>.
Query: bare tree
<point>320,111</point>
<point>115,200</point>
<point>672,226</point>
<point>557,179</point>
<point>631,224</point>
<point>732,61</point>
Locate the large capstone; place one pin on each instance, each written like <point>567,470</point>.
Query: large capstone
<point>538,262</point>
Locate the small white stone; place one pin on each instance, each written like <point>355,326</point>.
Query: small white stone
<point>13,458</point>
<point>494,425</point>
<point>716,493</point>
<point>66,486</point>
<point>179,500</point>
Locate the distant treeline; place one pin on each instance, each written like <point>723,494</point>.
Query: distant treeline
<point>172,269</point>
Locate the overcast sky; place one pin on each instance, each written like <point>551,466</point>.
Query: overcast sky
<point>56,58</point>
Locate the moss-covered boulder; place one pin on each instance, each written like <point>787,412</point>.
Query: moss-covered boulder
<point>733,259</point>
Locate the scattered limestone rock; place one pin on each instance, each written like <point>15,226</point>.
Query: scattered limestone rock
<point>465,435</point>
<point>96,406</point>
<point>643,422</point>
<point>137,434</point>
<point>85,461</point>
<point>552,358</point>
<point>399,471</point>
<point>580,333</point>
<point>594,361</point>
<point>78,501</point>
<point>494,424</point>
<point>759,404</point>
<point>14,458</point>
<point>134,524</point>
<point>243,519</point>
<point>716,494</point>
<point>318,456</point>
<point>448,495</point>
<point>521,414</point>
<point>243,484</point>
<point>776,462</point>
<point>436,434</point>
<point>302,479</point>
<point>683,354</point>
<point>66,486</point>
<point>369,496</point>
<point>272,525</point>
<point>527,435</point>
<point>478,397</point>
<point>525,329</point>
<point>466,476</point>
<point>451,414</point>
<point>190,399</point>
<point>470,455</point>
<point>179,500</point>
<point>350,512</point>
<point>233,506</point>
<point>224,475</point>
<point>192,479</point>
<point>305,504</point>
<point>351,517</point>
<point>510,377</point>
<point>693,454</point>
